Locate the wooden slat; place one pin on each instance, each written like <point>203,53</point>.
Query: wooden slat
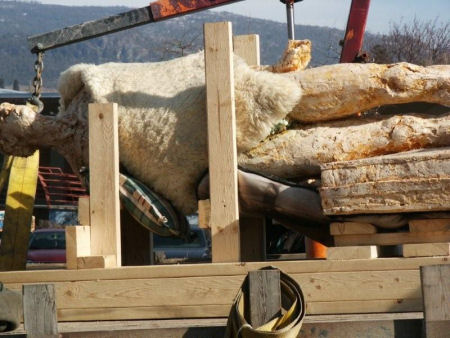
<point>436,299</point>
<point>317,287</point>
<point>222,142</point>
<point>104,179</point>
<point>352,252</point>
<point>219,270</point>
<point>352,228</point>
<point>252,229</point>
<point>96,262</point>
<point>83,211</point>
<point>264,296</point>
<point>426,250</point>
<point>427,225</point>
<point>247,47</point>
<point>393,238</point>
<point>204,214</point>
<point>39,311</point>
<point>78,243</point>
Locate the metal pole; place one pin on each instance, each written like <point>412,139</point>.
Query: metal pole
<point>290,19</point>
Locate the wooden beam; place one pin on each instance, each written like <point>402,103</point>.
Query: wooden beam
<point>218,270</point>
<point>264,296</point>
<point>426,250</point>
<point>39,311</point>
<point>104,180</point>
<point>247,47</point>
<point>96,262</point>
<point>252,229</point>
<point>83,211</point>
<point>352,228</point>
<point>78,244</point>
<point>436,299</point>
<point>204,214</point>
<point>393,238</point>
<point>222,142</point>
<point>427,225</point>
<point>352,252</point>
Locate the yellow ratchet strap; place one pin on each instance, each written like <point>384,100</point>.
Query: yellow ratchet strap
<point>18,212</point>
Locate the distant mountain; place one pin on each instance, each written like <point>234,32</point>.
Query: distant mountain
<point>152,42</point>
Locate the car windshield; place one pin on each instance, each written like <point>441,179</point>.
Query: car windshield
<point>197,240</point>
<point>48,240</point>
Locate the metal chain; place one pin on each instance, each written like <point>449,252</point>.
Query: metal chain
<point>37,82</point>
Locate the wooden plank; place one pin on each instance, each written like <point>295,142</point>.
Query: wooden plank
<point>252,229</point>
<point>247,47</point>
<point>219,270</point>
<point>204,214</point>
<point>78,243</point>
<point>104,180</point>
<point>393,238</point>
<point>96,262</point>
<point>427,225</point>
<point>222,142</point>
<point>264,296</point>
<point>407,195</point>
<point>317,287</point>
<point>352,228</point>
<point>215,311</point>
<point>39,311</point>
<point>426,250</point>
<point>352,252</point>
<point>436,299</point>
<point>83,211</point>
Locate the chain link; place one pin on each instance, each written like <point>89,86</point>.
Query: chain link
<point>37,82</point>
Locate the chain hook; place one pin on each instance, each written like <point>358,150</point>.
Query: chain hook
<point>35,99</point>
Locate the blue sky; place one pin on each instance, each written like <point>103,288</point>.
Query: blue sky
<point>331,13</point>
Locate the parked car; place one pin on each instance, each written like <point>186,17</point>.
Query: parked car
<point>173,250</point>
<point>47,246</point>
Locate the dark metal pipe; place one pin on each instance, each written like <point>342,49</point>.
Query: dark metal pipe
<point>290,19</point>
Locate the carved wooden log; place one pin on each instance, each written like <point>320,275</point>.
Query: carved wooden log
<point>299,152</point>
<point>337,91</point>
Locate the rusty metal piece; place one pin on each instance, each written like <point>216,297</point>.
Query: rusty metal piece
<point>356,26</point>
<point>165,9</point>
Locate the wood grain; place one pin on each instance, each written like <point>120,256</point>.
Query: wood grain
<point>83,211</point>
<point>427,225</point>
<point>104,180</point>
<point>352,252</point>
<point>247,47</point>
<point>78,243</point>
<point>426,250</point>
<point>393,238</point>
<point>264,294</point>
<point>222,142</point>
<point>436,299</point>
<point>39,311</point>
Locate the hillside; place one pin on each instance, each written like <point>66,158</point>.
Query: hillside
<point>152,42</point>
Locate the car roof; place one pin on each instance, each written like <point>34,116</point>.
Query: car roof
<point>49,230</point>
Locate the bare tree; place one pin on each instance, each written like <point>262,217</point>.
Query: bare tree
<point>177,47</point>
<point>423,43</point>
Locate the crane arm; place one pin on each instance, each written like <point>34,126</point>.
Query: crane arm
<point>156,11</point>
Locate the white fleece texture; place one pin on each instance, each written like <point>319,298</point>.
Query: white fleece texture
<point>162,115</point>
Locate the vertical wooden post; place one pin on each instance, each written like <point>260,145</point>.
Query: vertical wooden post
<point>222,142</point>
<point>39,310</point>
<point>104,180</point>
<point>253,231</point>
<point>264,296</point>
<point>78,244</point>
<point>436,299</point>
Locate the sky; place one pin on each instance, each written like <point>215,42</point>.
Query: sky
<point>331,13</point>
